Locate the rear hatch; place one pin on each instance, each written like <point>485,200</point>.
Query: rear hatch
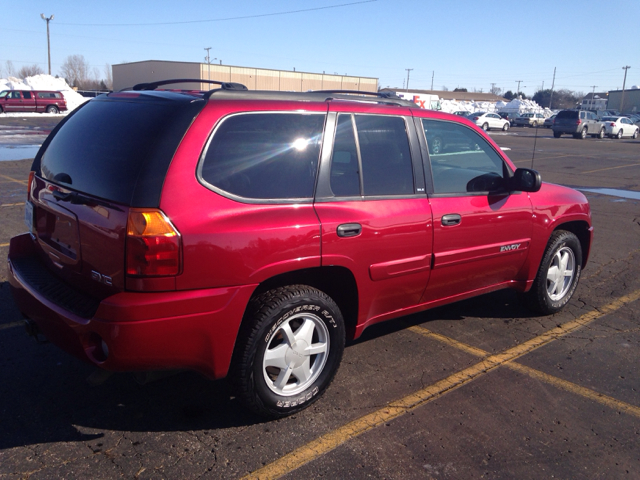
<point>110,155</point>
<point>567,118</point>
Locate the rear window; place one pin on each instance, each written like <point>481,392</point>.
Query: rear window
<point>265,156</point>
<point>117,150</point>
<point>571,114</point>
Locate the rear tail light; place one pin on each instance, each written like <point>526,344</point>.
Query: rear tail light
<point>476,118</point>
<point>153,244</point>
<point>32,175</point>
<point>612,124</point>
<point>578,122</point>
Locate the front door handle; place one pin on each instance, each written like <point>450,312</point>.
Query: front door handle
<point>349,229</point>
<point>451,219</point>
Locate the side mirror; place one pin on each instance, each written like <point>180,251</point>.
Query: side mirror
<point>525,180</point>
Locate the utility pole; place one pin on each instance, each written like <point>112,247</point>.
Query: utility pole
<point>518,90</point>
<point>48,42</point>
<point>493,86</point>
<point>624,82</point>
<point>593,95</point>
<point>408,72</point>
<point>432,75</point>
<point>208,63</point>
<point>552,85</point>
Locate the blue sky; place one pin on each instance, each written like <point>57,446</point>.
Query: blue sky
<point>463,43</point>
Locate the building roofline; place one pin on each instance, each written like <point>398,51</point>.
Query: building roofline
<point>255,68</point>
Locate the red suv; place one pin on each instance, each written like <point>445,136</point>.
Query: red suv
<point>249,234</point>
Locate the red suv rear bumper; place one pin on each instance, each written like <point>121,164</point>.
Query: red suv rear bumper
<point>130,331</point>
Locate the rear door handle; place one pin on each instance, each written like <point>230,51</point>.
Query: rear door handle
<point>349,229</point>
<point>451,219</point>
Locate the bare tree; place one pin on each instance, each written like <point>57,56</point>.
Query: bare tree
<point>30,71</point>
<point>10,69</point>
<point>75,70</point>
<point>495,90</point>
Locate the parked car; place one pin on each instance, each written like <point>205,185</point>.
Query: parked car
<point>510,116</point>
<point>619,127</point>
<point>487,121</point>
<point>249,234</point>
<point>462,113</point>
<point>578,123</point>
<point>32,101</point>
<point>529,120</point>
<point>548,122</point>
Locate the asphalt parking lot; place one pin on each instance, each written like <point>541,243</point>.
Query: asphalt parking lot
<point>477,389</point>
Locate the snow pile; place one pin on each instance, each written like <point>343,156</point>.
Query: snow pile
<point>517,106</point>
<point>451,106</point>
<point>45,82</point>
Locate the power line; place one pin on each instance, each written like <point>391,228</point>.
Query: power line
<point>244,17</point>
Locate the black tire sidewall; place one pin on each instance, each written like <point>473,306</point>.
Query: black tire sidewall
<point>266,401</point>
<point>557,241</point>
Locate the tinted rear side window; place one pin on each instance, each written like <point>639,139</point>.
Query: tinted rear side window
<point>118,150</point>
<point>567,114</point>
<point>265,156</point>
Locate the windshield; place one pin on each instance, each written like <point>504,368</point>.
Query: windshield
<point>4,93</point>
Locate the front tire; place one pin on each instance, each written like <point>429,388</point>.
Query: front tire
<point>289,350</point>
<point>505,127</point>
<point>556,134</point>
<point>601,134</point>
<point>558,274</point>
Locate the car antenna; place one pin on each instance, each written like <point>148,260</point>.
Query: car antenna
<point>535,140</point>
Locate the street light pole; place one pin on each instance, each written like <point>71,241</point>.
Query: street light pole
<point>48,42</point>
<point>208,63</point>
<point>408,72</point>
<point>624,82</point>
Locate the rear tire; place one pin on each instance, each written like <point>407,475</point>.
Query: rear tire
<point>52,109</point>
<point>583,134</point>
<point>485,127</point>
<point>557,276</point>
<point>619,135</point>
<point>289,350</point>
<point>557,134</point>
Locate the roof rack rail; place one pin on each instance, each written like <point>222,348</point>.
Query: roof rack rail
<point>358,92</point>
<point>223,85</point>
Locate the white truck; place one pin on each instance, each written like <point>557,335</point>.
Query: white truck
<point>423,100</point>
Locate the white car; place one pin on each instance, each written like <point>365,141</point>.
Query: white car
<point>618,127</point>
<point>488,121</point>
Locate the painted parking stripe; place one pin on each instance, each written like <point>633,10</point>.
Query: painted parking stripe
<point>12,204</point>
<point>613,168</point>
<point>23,182</point>
<point>335,438</point>
<point>4,245</point>
<point>11,325</point>
<point>538,375</point>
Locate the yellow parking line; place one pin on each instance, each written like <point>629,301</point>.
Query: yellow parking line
<point>11,325</point>
<point>538,375</point>
<point>613,168</point>
<point>12,204</point>
<point>23,182</point>
<point>610,402</point>
<point>335,438</point>
<point>4,245</point>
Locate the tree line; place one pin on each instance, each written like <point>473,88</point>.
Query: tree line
<point>75,70</point>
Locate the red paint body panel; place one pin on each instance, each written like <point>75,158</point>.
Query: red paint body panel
<point>404,259</point>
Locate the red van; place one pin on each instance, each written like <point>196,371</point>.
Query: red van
<point>32,101</point>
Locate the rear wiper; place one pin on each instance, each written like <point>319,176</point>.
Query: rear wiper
<point>76,198</point>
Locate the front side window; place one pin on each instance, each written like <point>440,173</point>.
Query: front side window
<point>462,162</point>
<point>385,157</point>
<point>265,156</point>
<point>27,95</point>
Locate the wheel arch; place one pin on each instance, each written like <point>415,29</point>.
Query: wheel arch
<point>337,282</point>
<point>581,230</point>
